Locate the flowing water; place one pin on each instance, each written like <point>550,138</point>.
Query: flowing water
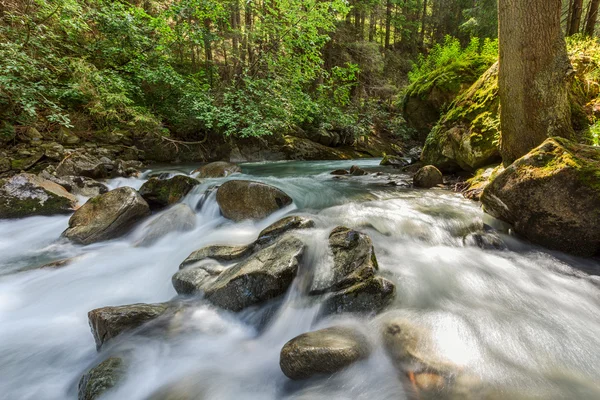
<point>524,320</point>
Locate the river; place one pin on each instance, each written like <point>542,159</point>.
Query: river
<point>525,320</point>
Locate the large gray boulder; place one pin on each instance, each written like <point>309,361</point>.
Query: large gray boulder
<point>160,193</point>
<point>218,169</point>
<point>240,200</point>
<point>322,352</point>
<point>179,218</point>
<point>264,275</point>
<point>77,185</point>
<point>109,322</point>
<point>353,284</point>
<point>25,195</point>
<point>107,216</point>
<point>101,378</point>
<point>83,164</point>
<point>551,196</point>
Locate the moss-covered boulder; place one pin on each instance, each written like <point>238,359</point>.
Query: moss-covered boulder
<point>101,378</point>
<point>322,352</point>
<point>26,195</point>
<point>551,196</point>
<point>218,169</point>
<point>107,216</point>
<point>240,200</point>
<point>428,177</point>
<point>467,135</point>
<point>480,179</point>
<point>160,193</point>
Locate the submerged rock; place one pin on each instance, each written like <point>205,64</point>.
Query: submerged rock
<point>179,218</point>
<point>487,240</point>
<point>339,172</point>
<point>370,295</point>
<point>355,170</point>
<point>109,322</point>
<point>428,177</point>
<point>322,352</point>
<point>25,195</point>
<point>107,216</point>
<point>161,193</point>
<point>240,200</point>
<point>217,253</point>
<point>282,226</point>
<point>101,378</point>
<point>551,196</point>
<point>218,169</point>
<point>264,275</point>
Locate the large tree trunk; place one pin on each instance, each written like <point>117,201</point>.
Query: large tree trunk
<point>575,24</point>
<point>423,20</point>
<point>388,23</point>
<point>533,76</point>
<point>590,23</point>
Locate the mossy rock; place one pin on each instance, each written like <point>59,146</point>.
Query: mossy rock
<point>467,135</point>
<point>481,178</point>
<point>101,378</point>
<point>551,196</point>
<point>160,193</point>
<point>26,195</point>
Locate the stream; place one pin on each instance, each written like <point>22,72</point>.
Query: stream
<point>524,320</point>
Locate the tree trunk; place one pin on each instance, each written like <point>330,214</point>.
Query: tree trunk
<point>575,24</point>
<point>388,23</point>
<point>590,24</point>
<point>423,19</point>
<point>372,25</point>
<point>533,76</point>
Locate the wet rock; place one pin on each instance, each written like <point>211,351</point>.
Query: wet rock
<point>162,193</point>
<point>193,279</point>
<point>54,151</point>
<point>219,169</point>
<point>217,253</point>
<point>77,185</point>
<point>264,275</point>
<point>25,195</point>
<point>368,296</point>
<point>26,160</point>
<point>357,171</point>
<point>487,240</point>
<point>240,200</point>
<point>339,172</point>
<point>428,177</point>
<point>282,226</point>
<point>179,218</point>
<point>326,351</point>
<point>107,216</point>
<point>551,196</point>
<point>353,260</point>
<point>101,378</point>
<point>83,164</point>
<point>109,322</point>
<point>394,161</point>
<point>191,387</point>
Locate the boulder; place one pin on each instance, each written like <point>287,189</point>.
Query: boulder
<point>240,200</point>
<point>83,164</point>
<point>326,351</point>
<point>77,185</point>
<point>394,161</point>
<point>467,136</point>
<point>162,193</point>
<point>193,279</point>
<point>217,253</point>
<point>352,285</point>
<point>179,218</point>
<point>339,172</point>
<point>274,231</point>
<point>101,378</point>
<point>355,170</point>
<point>551,196</point>
<point>428,177</point>
<point>218,169</point>
<point>264,275</point>
<point>107,216</point>
<point>25,195</point>
<point>109,322</point>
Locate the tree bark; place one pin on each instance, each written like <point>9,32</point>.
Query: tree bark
<point>388,23</point>
<point>590,23</point>
<point>575,24</point>
<point>534,75</point>
<point>423,20</point>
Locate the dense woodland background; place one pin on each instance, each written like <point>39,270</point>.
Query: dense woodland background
<point>189,68</point>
